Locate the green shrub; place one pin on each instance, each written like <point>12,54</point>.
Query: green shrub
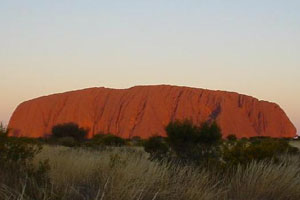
<point>194,143</point>
<point>99,137</point>
<point>231,137</point>
<point>15,150</point>
<point>67,141</point>
<point>108,140</point>
<point>69,130</point>
<point>255,149</point>
<point>156,147</point>
<point>136,141</point>
<point>112,140</point>
<point>16,163</point>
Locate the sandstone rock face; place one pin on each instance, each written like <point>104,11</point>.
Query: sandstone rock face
<point>145,110</point>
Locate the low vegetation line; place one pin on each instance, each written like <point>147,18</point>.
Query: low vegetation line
<point>193,162</point>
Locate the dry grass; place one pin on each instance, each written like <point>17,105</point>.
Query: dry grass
<point>127,174</point>
<point>124,173</point>
<point>265,181</point>
<point>295,143</point>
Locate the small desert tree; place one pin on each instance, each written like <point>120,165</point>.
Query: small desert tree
<point>69,130</point>
<point>193,143</point>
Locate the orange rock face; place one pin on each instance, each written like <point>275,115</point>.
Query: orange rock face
<point>145,110</point>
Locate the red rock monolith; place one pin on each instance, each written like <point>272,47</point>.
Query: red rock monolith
<point>146,110</point>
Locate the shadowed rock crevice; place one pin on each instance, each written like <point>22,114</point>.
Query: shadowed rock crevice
<point>215,113</point>
<point>173,115</point>
<point>139,118</point>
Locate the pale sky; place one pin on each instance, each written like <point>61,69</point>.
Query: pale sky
<point>250,47</point>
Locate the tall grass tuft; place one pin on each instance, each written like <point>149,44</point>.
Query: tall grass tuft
<point>265,180</point>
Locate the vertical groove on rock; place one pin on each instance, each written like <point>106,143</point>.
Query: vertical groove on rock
<point>138,118</point>
<point>199,103</point>
<point>60,109</point>
<point>173,115</point>
<point>100,114</point>
<point>97,111</point>
<point>215,113</point>
<point>45,117</point>
<point>123,103</point>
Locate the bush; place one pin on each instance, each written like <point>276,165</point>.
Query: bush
<point>16,163</point>
<point>15,150</point>
<point>156,147</point>
<point>67,141</point>
<point>136,141</point>
<point>194,143</point>
<point>108,139</point>
<point>231,137</point>
<point>255,149</point>
<point>112,140</point>
<point>69,130</point>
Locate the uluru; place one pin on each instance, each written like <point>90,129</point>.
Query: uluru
<point>145,111</point>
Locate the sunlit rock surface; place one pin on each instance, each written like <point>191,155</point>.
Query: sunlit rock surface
<point>145,111</point>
